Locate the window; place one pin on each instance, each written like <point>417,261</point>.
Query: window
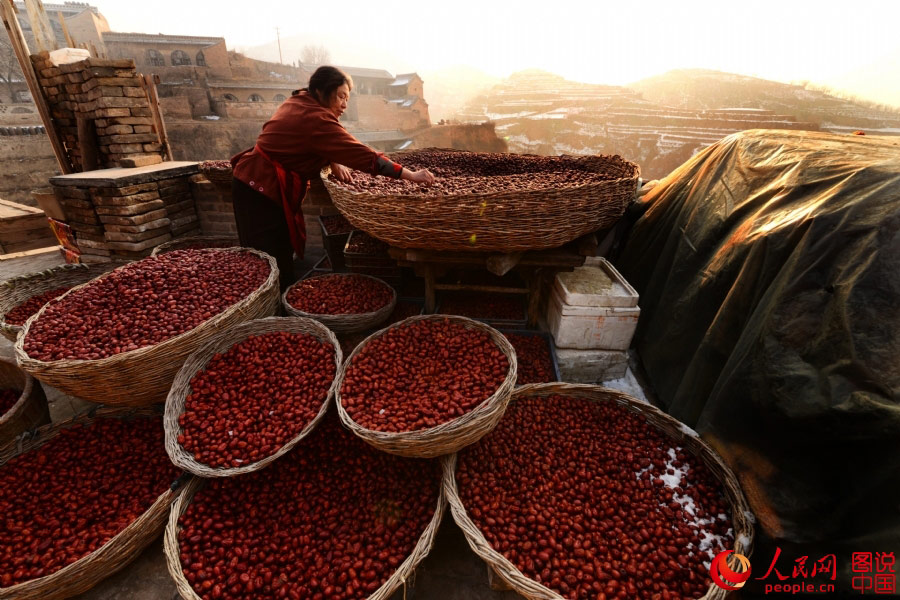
<point>155,58</point>
<point>179,58</point>
<point>201,60</point>
<point>255,98</point>
<point>230,97</point>
<point>279,98</point>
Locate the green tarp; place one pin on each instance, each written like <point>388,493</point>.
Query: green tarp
<point>768,267</point>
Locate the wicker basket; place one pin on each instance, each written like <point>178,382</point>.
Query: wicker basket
<point>144,376</point>
<point>30,411</point>
<point>112,556</point>
<point>206,241</point>
<point>351,323</point>
<point>397,579</point>
<point>495,222</point>
<point>507,572</point>
<point>214,173</point>
<point>197,361</point>
<point>448,437</point>
<point>17,290</point>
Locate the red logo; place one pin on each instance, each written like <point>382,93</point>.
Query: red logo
<point>724,577</point>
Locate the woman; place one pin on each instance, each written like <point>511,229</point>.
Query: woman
<point>303,136</point>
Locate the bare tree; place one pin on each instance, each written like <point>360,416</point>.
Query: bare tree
<point>10,71</point>
<point>314,54</point>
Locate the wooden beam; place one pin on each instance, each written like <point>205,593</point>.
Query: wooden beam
<point>148,82</point>
<point>62,21</point>
<point>20,47</point>
<point>44,36</point>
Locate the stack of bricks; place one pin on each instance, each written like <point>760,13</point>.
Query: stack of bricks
<point>82,218</point>
<point>180,206</point>
<point>110,94</point>
<point>214,207</point>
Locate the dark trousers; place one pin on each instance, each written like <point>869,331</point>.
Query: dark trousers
<point>261,225</point>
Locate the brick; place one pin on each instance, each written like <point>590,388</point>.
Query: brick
<point>181,222</point>
<point>174,196</point>
<point>90,229</point>
<point>51,91</point>
<point>189,229</point>
<point>125,148</point>
<point>175,184</point>
<point>153,147</point>
<point>73,67</point>
<point>125,190</point>
<point>155,224</point>
<point>101,123</point>
<point>111,81</point>
<point>220,217</point>
<point>118,129</point>
<point>131,200</point>
<point>75,192</point>
<point>141,112</point>
<point>106,113</point>
<point>108,72</point>
<point>134,219</point>
<point>129,138</point>
<point>131,121</point>
<point>106,102</point>
<point>119,236</point>
<point>50,72</point>
<point>94,246</point>
<point>175,208</point>
<point>75,77</point>
<point>82,215</point>
<point>134,209</point>
<point>141,160</point>
<point>134,92</point>
<point>115,63</point>
<point>76,204</point>
<point>143,128</point>
<point>91,237</point>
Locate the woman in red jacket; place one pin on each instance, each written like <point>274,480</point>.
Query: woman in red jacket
<point>303,136</point>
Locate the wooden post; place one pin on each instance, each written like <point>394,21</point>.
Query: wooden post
<point>62,21</point>
<point>44,36</point>
<point>87,142</point>
<point>8,12</point>
<point>148,82</point>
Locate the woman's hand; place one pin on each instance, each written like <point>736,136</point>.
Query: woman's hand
<point>420,176</point>
<point>341,173</point>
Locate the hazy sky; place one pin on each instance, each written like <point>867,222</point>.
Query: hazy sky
<point>850,44</point>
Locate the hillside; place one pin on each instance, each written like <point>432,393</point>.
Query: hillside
<point>658,123</point>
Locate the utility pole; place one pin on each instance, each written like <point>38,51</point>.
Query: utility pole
<point>278,36</point>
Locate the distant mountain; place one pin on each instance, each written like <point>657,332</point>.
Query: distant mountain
<point>448,90</point>
<point>700,89</point>
<point>658,123</point>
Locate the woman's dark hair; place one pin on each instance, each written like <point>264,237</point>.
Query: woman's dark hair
<point>325,81</point>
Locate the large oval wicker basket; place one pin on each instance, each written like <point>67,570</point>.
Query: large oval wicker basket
<point>197,361</point>
<point>399,578</point>
<point>30,411</point>
<point>112,556</point>
<point>144,376</point>
<point>496,222</point>
<point>199,241</point>
<point>349,323</point>
<point>19,289</point>
<point>448,437</point>
<point>509,574</point>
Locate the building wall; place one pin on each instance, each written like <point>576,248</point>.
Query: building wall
<point>87,28</point>
<point>245,110</point>
<point>28,162</point>
<point>377,114</point>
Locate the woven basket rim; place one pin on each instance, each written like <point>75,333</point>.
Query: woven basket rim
<point>44,281</point>
<point>419,442</point>
<point>511,195</point>
<point>171,245</point>
<point>531,589</point>
<point>24,359</point>
<point>344,323</point>
<point>23,397</point>
<point>60,584</point>
<point>401,574</point>
<point>197,362</point>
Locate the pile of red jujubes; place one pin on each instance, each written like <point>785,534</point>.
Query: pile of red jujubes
<point>21,313</point>
<point>252,399</point>
<point>421,374</point>
<point>336,224</point>
<point>588,499</point>
<point>332,519</point>
<point>481,172</point>
<point>215,165</point>
<point>534,364</point>
<point>8,399</point>
<point>339,294</point>
<point>144,303</point>
<point>67,498</point>
<point>363,243</point>
<point>484,306</point>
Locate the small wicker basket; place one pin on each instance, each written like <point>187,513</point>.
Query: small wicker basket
<point>200,241</point>
<point>216,172</point>
<point>498,221</point>
<point>144,376</point>
<point>509,574</point>
<point>350,323</point>
<point>30,411</point>
<point>399,578</point>
<point>197,361</point>
<point>17,290</point>
<point>448,437</point>
<point>112,556</point>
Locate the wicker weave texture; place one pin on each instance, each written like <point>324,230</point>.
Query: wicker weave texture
<point>19,289</point>
<point>507,571</point>
<point>197,361</point>
<point>206,241</point>
<point>495,222</point>
<point>112,556</point>
<point>350,323</point>
<point>144,376</point>
<point>215,173</point>
<point>448,437</point>
<point>29,411</point>
<point>399,578</point>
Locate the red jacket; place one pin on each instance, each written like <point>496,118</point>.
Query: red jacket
<point>302,137</point>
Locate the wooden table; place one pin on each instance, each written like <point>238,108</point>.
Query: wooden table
<point>536,267</point>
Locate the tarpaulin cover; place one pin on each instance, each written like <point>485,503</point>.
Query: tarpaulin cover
<point>768,267</point>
